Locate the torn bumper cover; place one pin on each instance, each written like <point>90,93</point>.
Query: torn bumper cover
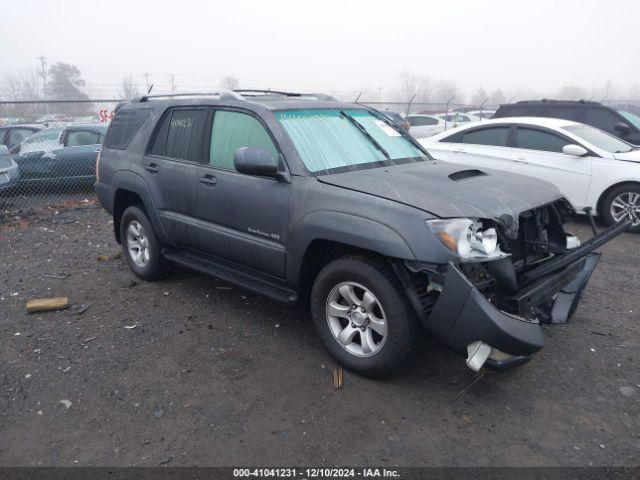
<point>469,323</point>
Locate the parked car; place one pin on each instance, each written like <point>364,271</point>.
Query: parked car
<point>60,155</point>
<point>331,204</point>
<point>622,124</point>
<point>9,174</point>
<point>397,118</point>
<point>453,119</point>
<point>423,125</point>
<point>13,135</point>
<point>590,167</point>
<point>479,115</point>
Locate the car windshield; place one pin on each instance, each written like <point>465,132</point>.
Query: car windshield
<point>329,139</point>
<point>631,117</point>
<point>600,139</point>
<point>45,140</point>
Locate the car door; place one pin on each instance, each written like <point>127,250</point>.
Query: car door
<point>481,147</point>
<point>244,217</point>
<point>170,167</point>
<point>538,153</point>
<point>422,126</point>
<point>34,158</point>
<point>77,158</point>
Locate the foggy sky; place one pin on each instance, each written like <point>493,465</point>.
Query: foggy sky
<point>330,45</point>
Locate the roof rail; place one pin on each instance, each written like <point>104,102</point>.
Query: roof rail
<point>318,96</point>
<point>223,94</point>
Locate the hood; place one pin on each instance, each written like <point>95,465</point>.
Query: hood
<point>450,190</point>
<point>632,156</point>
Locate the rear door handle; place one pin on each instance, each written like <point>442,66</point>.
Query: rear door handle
<point>458,150</point>
<point>208,180</point>
<point>520,160</point>
<point>151,167</point>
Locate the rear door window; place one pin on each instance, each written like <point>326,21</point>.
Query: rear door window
<point>532,139</point>
<point>564,113</point>
<point>181,134</point>
<point>233,130</point>
<point>79,138</point>
<point>495,136</point>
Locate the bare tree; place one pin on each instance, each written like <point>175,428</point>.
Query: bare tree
<point>480,96</point>
<point>230,83</point>
<point>23,85</point>
<point>497,98</point>
<point>446,90</point>
<point>128,88</point>
<point>414,87</point>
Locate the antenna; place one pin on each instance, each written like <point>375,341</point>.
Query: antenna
<point>150,88</point>
<point>358,97</point>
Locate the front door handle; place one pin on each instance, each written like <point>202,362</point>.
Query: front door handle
<point>520,160</point>
<point>208,180</point>
<point>151,167</point>
<point>458,150</point>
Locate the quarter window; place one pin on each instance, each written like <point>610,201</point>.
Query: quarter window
<point>181,135</point>
<point>564,113</point>
<point>532,139</point>
<point>124,126</point>
<point>233,130</point>
<point>602,119</point>
<point>495,136</point>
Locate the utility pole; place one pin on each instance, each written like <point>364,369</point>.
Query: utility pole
<point>43,73</point>
<point>172,82</point>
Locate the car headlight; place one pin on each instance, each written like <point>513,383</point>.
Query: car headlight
<point>467,239</point>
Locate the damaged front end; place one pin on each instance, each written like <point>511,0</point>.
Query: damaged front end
<point>489,307</point>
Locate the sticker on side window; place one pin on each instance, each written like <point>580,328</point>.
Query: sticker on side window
<point>387,129</point>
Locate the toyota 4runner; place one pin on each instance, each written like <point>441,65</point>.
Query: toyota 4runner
<point>304,198</point>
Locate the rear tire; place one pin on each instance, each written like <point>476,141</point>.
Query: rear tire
<point>373,318</point>
<point>140,245</point>
<point>622,202</point>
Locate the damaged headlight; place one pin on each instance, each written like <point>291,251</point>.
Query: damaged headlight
<point>467,239</point>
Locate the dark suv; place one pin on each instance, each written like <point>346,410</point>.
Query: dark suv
<point>304,198</point>
<point>620,123</point>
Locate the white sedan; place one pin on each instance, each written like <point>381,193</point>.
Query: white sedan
<point>590,167</point>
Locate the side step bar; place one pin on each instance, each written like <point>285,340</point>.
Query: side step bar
<point>241,277</point>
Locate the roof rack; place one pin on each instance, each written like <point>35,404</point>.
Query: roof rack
<point>257,92</point>
<point>223,94</point>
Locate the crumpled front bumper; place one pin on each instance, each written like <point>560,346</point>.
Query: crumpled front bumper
<point>462,315</point>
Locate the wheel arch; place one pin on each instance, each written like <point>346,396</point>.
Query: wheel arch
<point>603,195</point>
<point>130,189</point>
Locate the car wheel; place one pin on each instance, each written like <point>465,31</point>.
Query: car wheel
<point>363,316</point>
<point>140,245</point>
<point>622,203</point>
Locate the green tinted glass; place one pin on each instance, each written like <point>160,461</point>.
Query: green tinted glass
<point>232,130</point>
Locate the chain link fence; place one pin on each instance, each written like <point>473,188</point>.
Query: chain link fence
<point>48,152</point>
<point>48,149</point>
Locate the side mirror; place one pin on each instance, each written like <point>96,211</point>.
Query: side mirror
<point>574,150</point>
<point>3,150</point>
<point>255,161</point>
<point>622,128</point>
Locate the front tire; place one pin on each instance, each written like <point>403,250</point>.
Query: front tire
<point>140,245</point>
<point>363,316</point>
<point>623,202</point>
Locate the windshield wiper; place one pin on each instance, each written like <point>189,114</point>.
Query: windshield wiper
<point>366,134</point>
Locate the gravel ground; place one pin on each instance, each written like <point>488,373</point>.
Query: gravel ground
<point>190,371</point>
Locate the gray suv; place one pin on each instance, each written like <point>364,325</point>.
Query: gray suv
<point>306,199</point>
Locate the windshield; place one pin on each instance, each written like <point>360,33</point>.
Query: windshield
<point>631,117</point>
<point>599,139</point>
<point>328,139</point>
